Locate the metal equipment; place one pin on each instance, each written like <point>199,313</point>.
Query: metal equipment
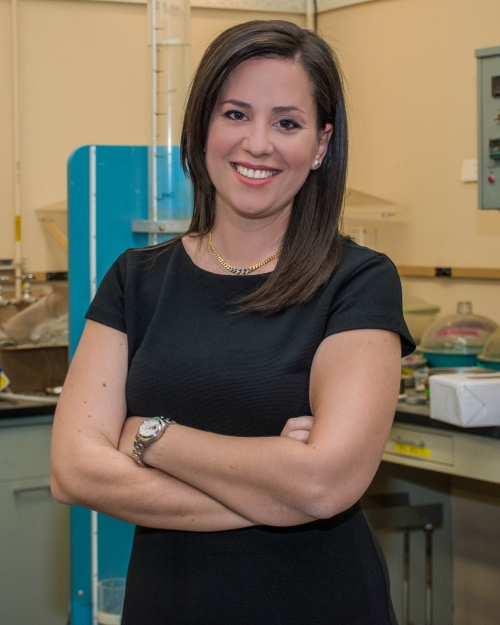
<point>393,512</point>
<point>488,81</point>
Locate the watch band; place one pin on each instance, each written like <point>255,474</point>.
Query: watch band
<point>142,441</point>
<point>137,453</point>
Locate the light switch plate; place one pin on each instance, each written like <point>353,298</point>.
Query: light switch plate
<point>469,170</point>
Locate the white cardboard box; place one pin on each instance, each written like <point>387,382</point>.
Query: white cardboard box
<point>466,400</point>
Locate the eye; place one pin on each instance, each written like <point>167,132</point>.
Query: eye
<point>288,124</point>
<point>236,115</point>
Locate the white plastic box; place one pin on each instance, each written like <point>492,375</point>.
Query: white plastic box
<point>466,400</point>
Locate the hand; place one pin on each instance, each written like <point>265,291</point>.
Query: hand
<point>299,428</point>
<point>127,437</point>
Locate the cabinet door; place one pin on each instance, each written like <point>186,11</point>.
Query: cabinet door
<point>34,584</point>
<point>24,450</point>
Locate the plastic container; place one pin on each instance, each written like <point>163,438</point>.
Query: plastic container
<point>19,327</point>
<point>51,332</point>
<point>418,315</point>
<point>450,360</point>
<point>412,362</point>
<point>490,364</point>
<point>490,356</point>
<point>456,340</point>
<point>110,601</point>
<point>408,365</point>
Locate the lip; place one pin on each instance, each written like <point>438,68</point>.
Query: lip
<point>254,182</point>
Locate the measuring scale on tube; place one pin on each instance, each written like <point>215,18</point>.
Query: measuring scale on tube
<point>170,192</point>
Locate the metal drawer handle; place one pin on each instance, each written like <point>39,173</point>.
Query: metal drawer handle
<point>401,441</point>
<point>17,490</point>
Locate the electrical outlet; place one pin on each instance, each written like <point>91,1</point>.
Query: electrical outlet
<point>469,170</point>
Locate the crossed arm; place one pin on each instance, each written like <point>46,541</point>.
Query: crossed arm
<point>206,482</point>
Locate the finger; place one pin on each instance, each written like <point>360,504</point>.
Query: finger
<point>297,423</point>
<point>300,435</point>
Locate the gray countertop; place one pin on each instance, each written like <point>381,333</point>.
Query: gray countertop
<point>420,415</point>
<point>19,409</point>
<point>405,413</point>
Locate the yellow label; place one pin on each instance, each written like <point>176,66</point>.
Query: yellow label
<point>18,227</point>
<point>413,450</point>
<point>4,381</point>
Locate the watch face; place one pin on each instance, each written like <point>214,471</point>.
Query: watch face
<point>150,427</point>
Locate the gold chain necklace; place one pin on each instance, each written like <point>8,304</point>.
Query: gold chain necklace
<point>239,270</point>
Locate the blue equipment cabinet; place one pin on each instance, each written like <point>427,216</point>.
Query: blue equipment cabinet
<point>108,190</point>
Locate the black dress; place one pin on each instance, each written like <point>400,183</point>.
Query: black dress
<point>244,375</point>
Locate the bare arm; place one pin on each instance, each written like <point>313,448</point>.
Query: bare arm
<point>88,470</point>
<point>280,480</point>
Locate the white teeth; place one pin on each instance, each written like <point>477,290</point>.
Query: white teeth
<point>254,173</point>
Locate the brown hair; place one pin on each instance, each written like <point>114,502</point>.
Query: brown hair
<point>312,244</point>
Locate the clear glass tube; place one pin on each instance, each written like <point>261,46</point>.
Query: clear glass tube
<point>170,192</point>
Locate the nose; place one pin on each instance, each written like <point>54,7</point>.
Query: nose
<point>257,140</point>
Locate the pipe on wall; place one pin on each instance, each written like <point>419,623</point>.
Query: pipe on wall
<point>18,259</point>
<point>310,15</point>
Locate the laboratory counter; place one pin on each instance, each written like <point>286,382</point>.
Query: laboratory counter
<point>417,444</point>
<point>416,440</point>
<point>405,413</point>
<point>420,415</point>
<point>21,409</point>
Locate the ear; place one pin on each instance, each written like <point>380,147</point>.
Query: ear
<point>324,139</point>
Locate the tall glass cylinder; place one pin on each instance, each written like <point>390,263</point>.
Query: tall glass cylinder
<point>170,192</point>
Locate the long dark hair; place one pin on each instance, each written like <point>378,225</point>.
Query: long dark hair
<point>312,244</point>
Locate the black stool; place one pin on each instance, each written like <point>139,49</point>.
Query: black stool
<point>393,512</point>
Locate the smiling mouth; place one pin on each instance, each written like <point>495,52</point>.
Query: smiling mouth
<point>255,174</point>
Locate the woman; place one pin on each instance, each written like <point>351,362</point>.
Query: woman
<point>269,344</point>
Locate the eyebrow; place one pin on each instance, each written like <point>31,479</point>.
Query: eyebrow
<point>276,109</point>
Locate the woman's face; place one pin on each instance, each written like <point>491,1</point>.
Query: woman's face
<point>263,138</point>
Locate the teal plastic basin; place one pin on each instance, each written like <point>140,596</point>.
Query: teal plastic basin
<point>488,364</point>
<point>450,360</point>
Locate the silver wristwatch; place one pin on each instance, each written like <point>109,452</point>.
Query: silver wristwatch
<point>149,431</point>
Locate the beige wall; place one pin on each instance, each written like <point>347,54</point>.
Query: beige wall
<point>84,78</point>
<point>206,24</point>
<point>411,80</point>
<point>410,71</point>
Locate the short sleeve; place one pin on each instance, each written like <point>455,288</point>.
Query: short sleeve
<point>371,298</point>
<point>108,305</point>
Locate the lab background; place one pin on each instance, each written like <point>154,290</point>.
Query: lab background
<point>411,77</point>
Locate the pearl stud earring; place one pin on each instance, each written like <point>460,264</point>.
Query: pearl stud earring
<point>316,164</point>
